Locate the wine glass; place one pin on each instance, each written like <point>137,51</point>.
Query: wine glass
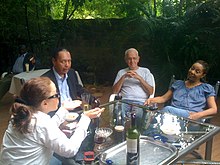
<point>101,136</point>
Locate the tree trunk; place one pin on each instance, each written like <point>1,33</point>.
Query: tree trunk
<point>163,8</point>
<point>66,10</point>
<point>155,8</point>
<point>181,7</point>
<point>65,20</point>
<point>27,26</point>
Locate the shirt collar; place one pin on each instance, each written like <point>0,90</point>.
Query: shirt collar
<point>41,114</point>
<point>58,76</point>
<point>23,55</point>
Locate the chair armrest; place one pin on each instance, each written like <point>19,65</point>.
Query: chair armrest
<point>207,119</point>
<point>112,97</point>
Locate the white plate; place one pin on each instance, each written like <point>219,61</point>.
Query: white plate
<point>71,125</point>
<point>70,105</point>
<point>170,129</point>
<point>71,116</point>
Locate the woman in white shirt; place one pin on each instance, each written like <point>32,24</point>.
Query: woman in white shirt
<point>32,136</point>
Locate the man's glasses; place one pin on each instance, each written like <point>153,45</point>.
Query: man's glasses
<point>54,96</point>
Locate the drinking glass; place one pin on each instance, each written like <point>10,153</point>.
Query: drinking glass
<point>101,136</point>
<point>27,67</point>
<point>85,101</point>
<point>99,139</point>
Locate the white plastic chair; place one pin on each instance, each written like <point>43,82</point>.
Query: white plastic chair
<point>4,74</point>
<point>154,87</point>
<point>79,79</point>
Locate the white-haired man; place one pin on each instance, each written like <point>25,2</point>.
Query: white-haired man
<point>134,83</point>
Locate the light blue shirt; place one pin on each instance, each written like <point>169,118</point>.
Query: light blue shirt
<point>63,86</point>
<point>191,99</point>
<point>18,65</point>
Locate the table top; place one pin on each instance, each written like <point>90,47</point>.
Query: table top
<point>31,74</point>
<point>19,79</point>
<point>186,135</point>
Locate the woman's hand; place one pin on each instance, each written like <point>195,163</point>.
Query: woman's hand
<point>94,113</point>
<point>194,115</point>
<point>160,99</point>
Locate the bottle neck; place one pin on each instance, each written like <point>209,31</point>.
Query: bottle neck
<point>133,120</point>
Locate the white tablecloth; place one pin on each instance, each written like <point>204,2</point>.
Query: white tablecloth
<point>19,79</point>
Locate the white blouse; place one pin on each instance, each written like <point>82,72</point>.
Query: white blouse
<point>45,138</point>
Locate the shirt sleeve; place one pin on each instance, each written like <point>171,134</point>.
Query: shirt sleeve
<point>176,85</point>
<point>150,78</point>
<point>53,138</point>
<point>58,118</point>
<point>117,78</point>
<point>209,90</point>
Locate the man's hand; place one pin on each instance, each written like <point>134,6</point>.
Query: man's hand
<point>132,74</point>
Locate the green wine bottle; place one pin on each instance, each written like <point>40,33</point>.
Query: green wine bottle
<point>133,149</point>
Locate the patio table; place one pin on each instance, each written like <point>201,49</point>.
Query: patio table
<point>189,136</point>
<point>18,80</point>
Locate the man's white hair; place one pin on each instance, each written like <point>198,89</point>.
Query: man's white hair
<point>130,49</point>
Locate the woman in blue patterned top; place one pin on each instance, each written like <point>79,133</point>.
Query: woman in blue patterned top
<point>193,98</point>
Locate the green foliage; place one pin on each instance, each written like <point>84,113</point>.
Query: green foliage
<point>170,35</point>
<point>178,42</point>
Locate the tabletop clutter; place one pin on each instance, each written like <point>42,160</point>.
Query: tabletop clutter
<point>170,125</point>
<point>166,137</point>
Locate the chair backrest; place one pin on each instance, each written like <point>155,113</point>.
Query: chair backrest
<point>216,87</point>
<point>4,74</point>
<point>79,79</point>
<point>154,86</point>
<point>172,80</point>
<point>112,97</point>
